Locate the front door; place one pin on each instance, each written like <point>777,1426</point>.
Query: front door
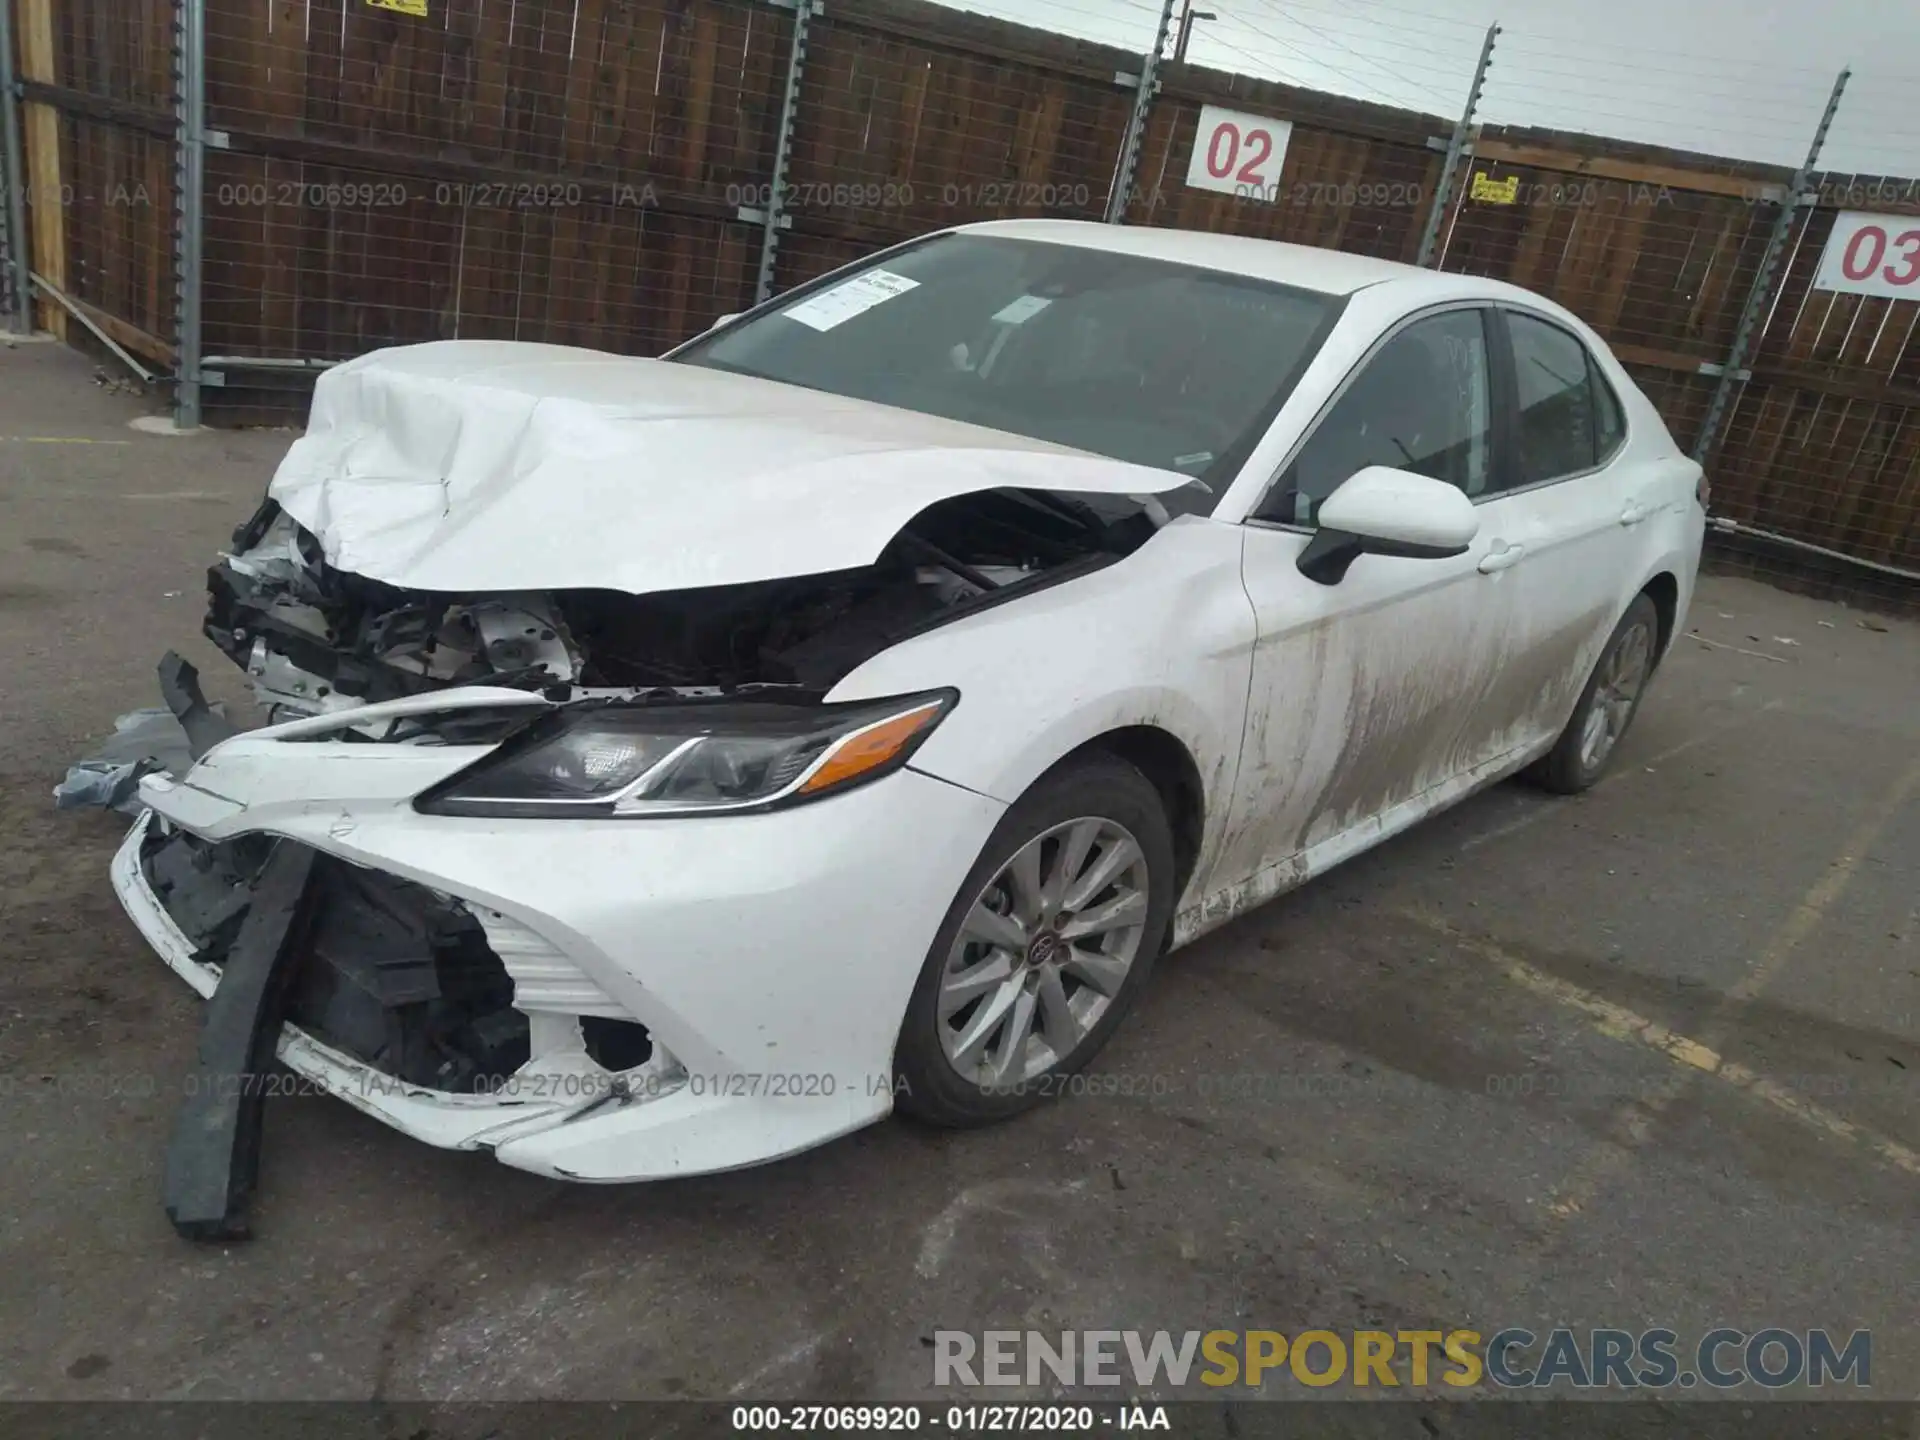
<point>1368,695</point>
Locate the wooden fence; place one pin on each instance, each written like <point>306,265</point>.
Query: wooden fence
<point>98,134</point>
<point>1824,444</point>
<point>593,172</point>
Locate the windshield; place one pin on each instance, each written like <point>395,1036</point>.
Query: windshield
<point>1160,364</point>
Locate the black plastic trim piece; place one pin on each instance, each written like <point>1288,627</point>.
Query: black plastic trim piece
<point>1330,553</point>
<point>1504,474</point>
<point>213,1159</point>
<point>180,688</point>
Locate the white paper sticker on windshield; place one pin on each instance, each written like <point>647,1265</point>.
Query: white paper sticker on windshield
<point>850,298</point>
<point>1023,309</point>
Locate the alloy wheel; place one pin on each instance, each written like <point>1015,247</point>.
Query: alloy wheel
<point>1616,691</point>
<point>1043,951</point>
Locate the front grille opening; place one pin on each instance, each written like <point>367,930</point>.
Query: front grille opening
<point>390,972</point>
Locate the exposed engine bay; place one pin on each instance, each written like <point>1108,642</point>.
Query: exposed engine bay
<point>315,638</point>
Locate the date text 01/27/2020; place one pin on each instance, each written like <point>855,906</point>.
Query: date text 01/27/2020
<point>953,1420</point>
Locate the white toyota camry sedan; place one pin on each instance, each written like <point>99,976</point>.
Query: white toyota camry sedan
<point>678,763</point>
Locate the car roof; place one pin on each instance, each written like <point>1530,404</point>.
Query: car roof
<point>1332,272</point>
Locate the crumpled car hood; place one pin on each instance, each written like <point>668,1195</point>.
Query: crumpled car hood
<point>464,465</point>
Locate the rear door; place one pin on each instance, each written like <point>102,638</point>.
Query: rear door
<point>1368,694</point>
<point>1573,506</point>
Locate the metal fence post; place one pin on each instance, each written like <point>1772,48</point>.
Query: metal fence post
<point>189,201</point>
<point>773,216</point>
<point>1733,375</point>
<point>1456,150</point>
<point>13,182</point>
<point>1145,88</point>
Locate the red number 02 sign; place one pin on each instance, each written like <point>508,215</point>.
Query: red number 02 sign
<point>1238,154</point>
<point>1872,255</point>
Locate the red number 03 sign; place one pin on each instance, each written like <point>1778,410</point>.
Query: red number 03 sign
<point>1872,255</point>
<point>1238,154</point>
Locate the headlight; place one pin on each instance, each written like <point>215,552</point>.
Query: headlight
<point>690,759</point>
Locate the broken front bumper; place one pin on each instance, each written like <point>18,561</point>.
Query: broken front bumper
<point>769,957</point>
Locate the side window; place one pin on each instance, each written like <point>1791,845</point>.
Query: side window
<point>1420,404</point>
<point>1561,415</point>
<point>1609,421</point>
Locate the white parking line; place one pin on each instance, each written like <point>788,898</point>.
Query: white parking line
<point>1633,1123</point>
<point>1617,1022</point>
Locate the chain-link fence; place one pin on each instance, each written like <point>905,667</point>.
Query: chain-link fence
<point>233,194</point>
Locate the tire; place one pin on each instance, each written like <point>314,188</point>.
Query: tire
<point>1581,755</point>
<point>955,1063</point>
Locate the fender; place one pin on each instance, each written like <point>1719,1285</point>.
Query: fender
<point>1162,638</point>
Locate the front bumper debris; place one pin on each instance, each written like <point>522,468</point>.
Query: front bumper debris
<point>385,973</point>
<point>746,951</point>
<point>215,1153</point>
<point>440,1118</point>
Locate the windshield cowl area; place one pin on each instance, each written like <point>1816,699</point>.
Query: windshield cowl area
<point>1155,363</point>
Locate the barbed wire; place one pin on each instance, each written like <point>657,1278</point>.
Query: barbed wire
<point>1396,75</point>
<point>1372,91</point>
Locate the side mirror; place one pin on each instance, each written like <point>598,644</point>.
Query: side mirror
<point>723,322</point>
<point>1383,511</point>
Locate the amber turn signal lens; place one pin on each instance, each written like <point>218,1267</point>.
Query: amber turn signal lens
<point>865,749</point>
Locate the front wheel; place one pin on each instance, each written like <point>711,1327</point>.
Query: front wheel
<point>1607,706</point>
<point>1043,950</point>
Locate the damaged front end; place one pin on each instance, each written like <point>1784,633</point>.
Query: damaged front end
<point>314,638</point>
<point>436,1012</point>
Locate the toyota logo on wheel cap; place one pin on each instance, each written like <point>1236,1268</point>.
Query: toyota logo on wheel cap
<point>1045,949</point>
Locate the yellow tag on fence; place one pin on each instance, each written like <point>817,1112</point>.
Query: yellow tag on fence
<point>1495,192</point>
<point>416,8</point>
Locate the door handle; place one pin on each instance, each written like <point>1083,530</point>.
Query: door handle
<point>1634,513</point>
<point>1502,558</point>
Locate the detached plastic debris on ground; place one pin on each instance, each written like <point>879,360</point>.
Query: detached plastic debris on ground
<point>146,742</point>
<point>143,742</point>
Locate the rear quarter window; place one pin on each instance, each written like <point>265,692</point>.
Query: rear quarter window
<point>1554,381</point>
